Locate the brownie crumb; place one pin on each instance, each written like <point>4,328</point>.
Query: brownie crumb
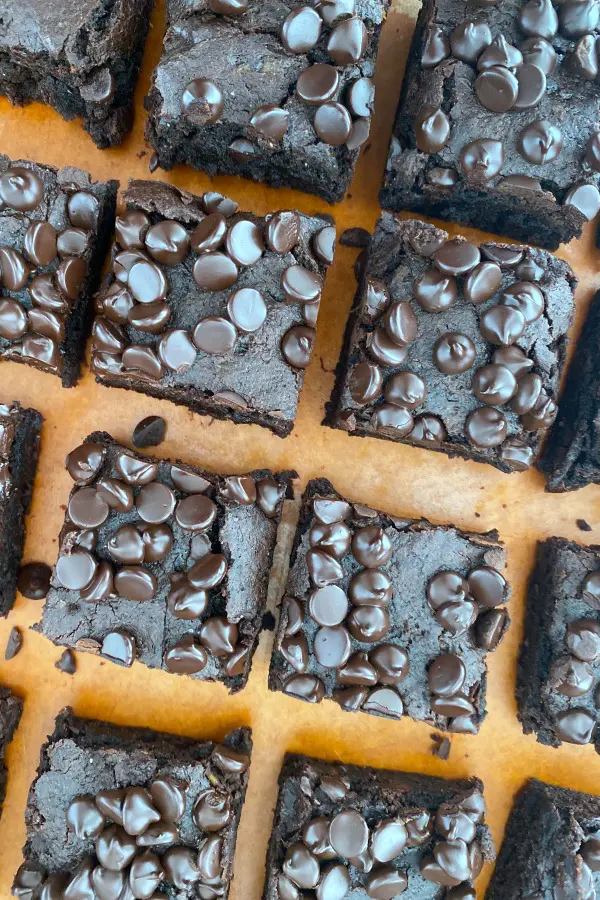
<point>268,622</point>
<point>441,746</point>
<point>583,525</point>
<point>355,237</point>
<point>14,644</point>
<point>67,663</point>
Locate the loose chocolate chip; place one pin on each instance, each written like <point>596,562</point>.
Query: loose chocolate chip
<point>297,345</point>
<point>490,628</point>
<point>21,188</point>
<point>348,41</point>
<point>215,272</point>
<point>482,159</point>
<point>67,663</point>
<point>323,244</point>
<point>494,384</point>
<point>14,643</point>
<point>435,291</point>
<point>202,102</point>
<point>436,48</point>
<point>453,353</point>
<point>283,231</point>
<point>469,39</point>
<point>538,18</point>
<point>575,726</point>
<point>497,88</point>
<point>34,580</point>
<point>585,198</point>
<point>215,335</point>
<point>150,432</point>
<point>317,84</point>
<point>301,30</point>
<point>432,129</point>
<point>540,142</point>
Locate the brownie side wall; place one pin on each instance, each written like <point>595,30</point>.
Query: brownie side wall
<point>571,458</point>
<point>22,464</point>
<point>11,708</point>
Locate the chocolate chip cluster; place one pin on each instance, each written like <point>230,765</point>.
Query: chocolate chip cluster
<point>130,525</point>
<point>506,286</point>
<point>358,850</point>
<point>45,267</point>
<point>574,675</point>
<point>333,38</point>
<point>137,840</point>
<point>133,332</point>
<point>348,637</point>
<point>556,42</point>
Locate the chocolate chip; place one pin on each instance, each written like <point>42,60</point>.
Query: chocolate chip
<point>490,628</point>
<point>585,198</point>
<point>578,18</point>
<point>34,580</point>
<point>176,351</point>
<point>540,142</point>
<point>500,53</point>
<point>14,271</point>
<point>532,86</point>
<point>300,285</point>
<point>21,188</point>
<point>332,646</point>
<point>514,359</point>
<point>539,52</point>
<point>195,513</point>
<point>486,427</point>
<point>215,272</point>
<point>487,586</point>
<point>301,867</point>
<point>40,243</point>
<point>317,84</point>
<point>575,726</point>
<point>14,643</point>
<point>371,546</point>
<point>497,88</point>
<point>365,383</point>
<point>482,159</point>
<point>323,243</point>
<point>368,624</point>
<point>385,350</point>
<point>301,30</point>
<point>526,297</point>
<point>391,663</point>
<point>115,849</point>
<point>453,353</point>
<point>228,7</point>
<point>428,429</point>
<point>305,687</point>
<point>494,384</point>
<point>436,48</point>
<point>482,282</point>
<point>215,335</point>
<point>528,393</point>
<point>219,636</point>
<point>202,102</point>
<point>469,39</point>
<point>348,41</point>
<point>502,325</point>
<point>370,587</point>
<point>538,18</point>
<point>571,677</point>
<point>297,345</point>
<point>67,663</point>
<point>386,881</point>
<point>135,583</point>
<point>76,569</point>
<point>456,257</point>
<point>432,129</point>
<point>435,291</point>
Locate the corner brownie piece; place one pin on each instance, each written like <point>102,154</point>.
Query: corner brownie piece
<point>19,450</point>
<point>551,846</point>
<point>498,124</point>
<point>54,233</point>
<point>80,58</point>
<point>571,456</point>
<point>211,308</point>
<point>164,562</point>
<point>375,833</point>
<point>454,346</point>
<point>389,616</point>
<point>127,812</point>
<point>11,708</point>
<point>280,92</point>
<point>558,691</point>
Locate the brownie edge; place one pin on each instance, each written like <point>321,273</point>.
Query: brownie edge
<point>11,708</point>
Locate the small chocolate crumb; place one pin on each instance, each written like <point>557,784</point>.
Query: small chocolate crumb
<point>67,663</point>
<point>34,580</point>
<point>14,644</point>
<point>153,164</point>
<point>150,432</point>
<point>583,525</point>
<point>355,237</point>
<point>441,746</point>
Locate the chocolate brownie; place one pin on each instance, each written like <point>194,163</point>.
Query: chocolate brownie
<point>558,686</point>
<point>80,58</point>
<point>11,708</point>
<point>275,91</point>
<point>19,450</point>
<point>375,833</point>
<point>454,346</point>
<point>163,562</point>
<point>211,308</point>
<point>551,846</point>
<point>571,457</point>
<point>54,233</point>
<point>389,616</point>
<point>127,812</point>
<point>498,124</point>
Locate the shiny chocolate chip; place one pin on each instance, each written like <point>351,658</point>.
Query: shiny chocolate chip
<point>202,102</point>
<point>502,325</point>
<point>453,353</point>
<point>301,29</point>
<point>435,291</point>
<point>21,188</point>
<point>368,624</point>
<point>333,123</point>
<point>497,88</point>
<point>494,384</point>
<point>432,129</point>
<point>219,636</point>
<point>176,351</point>
<point>482,159</point>
<point>385,349</point>
<point>391,663</point>
<point>135,583</point>
<point>195,513</point>
<point>348,41</point>
<point>486,427</point>
<point>482,282</point>
<point>575,726</point>
<point>215,272</point>
<point>538,18</point>
<point>446,675</point>
<point>540,142</point>
<point>469,39</point>
<point>537,51</point>
<point>318,84</point>
<point>215,335</point>
<point>167,242</point>
<point>40,243</point>
<point>526,297</point>
<point>305,687</point>
<point>297,345</point>
<point>585,198</point>
<point>436,47</point>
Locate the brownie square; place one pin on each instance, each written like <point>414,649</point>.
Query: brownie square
<point>550,847</point>
<point>211,308</point>
<point>80,58</point>
<point>19,450</point>
<point>164,562</point>
<point>11,708</point>
<point>571,456</point>
<point>375,833</point>
<point>124,812</point>
<point>275,91</point>
<point>389,616</point>
<point>498,124</point>
<point>54,232</point>
<point>559,665</point>
<point>454,346</point>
